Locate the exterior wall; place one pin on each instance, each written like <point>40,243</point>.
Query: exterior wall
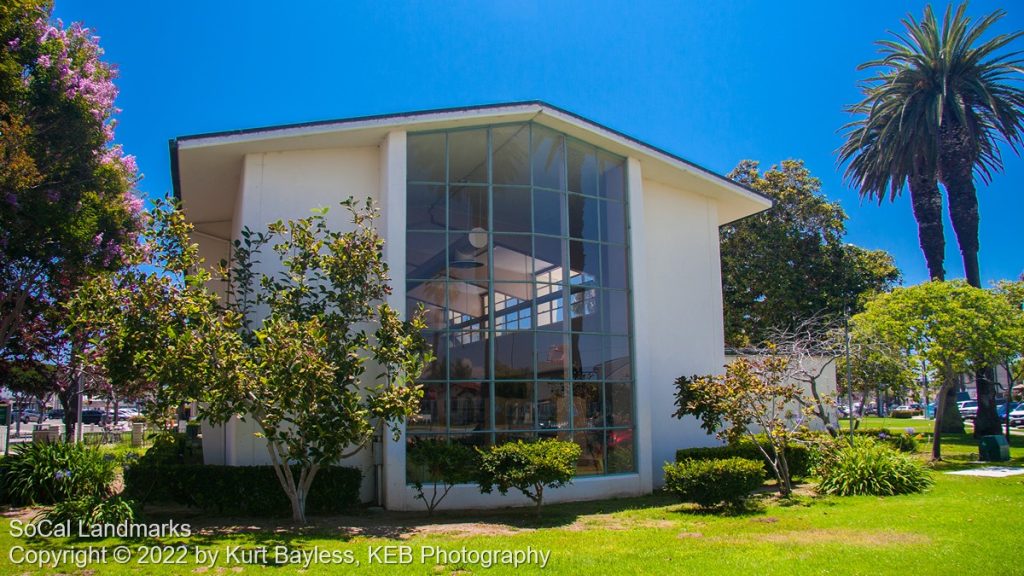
<point>678,294</point>
<point>827,383</point>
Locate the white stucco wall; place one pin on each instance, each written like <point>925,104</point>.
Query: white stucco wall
<point>677,292</point>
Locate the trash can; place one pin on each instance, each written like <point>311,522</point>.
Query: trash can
<point>993,449</point>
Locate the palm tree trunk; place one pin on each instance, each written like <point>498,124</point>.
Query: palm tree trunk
<point>956,168</point>
<point>927,202</point>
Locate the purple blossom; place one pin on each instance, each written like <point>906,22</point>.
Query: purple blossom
<point>52,196</point>
<point>11,199</point>
<point>44,61</point>
<point>97,240</point>
<point>62,474</point>
<point>133,203</point>
<point>14,44</point>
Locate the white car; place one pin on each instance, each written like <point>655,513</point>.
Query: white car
<point>1017,416</point>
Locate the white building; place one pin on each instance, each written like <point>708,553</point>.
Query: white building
<point>570,274</point>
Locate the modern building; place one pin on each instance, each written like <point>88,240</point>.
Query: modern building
<point>570,273</point>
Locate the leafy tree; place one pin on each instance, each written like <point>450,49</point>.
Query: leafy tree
<point>444,464</point>
<point>875,367</point>
<point>941,101</point>
<point>299,372</point>
<point>1013,363</point>
<point>790,263</point>
<point>66,200</point>
<point>529,467</point>
<point>756,399</point>
<point>952,326</point>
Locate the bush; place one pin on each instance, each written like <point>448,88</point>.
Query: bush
<point>238,490</point>
<point>92,510</point>
<point>869,467</point>
<point>711,483</point>
<point>798,456</point>
<point>441,464</point>
<point>903,413</point>
<point>902,441</point>
<point>47,473</point>
<point>528,467</point>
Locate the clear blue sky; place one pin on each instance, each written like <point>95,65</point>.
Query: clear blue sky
<point>714,82</point>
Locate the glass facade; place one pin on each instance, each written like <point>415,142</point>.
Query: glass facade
<point>516,248</point>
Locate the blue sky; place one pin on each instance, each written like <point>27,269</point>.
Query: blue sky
<point>714,82</point>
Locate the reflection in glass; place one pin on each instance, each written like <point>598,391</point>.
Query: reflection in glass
<point>512,209</point>
<point>552,405</point>
<point>467,355</point>
<point>581,167</point>
<point>513,355</point>
<point>513,406</point>
<point>467,156</point>
<point>618,365</point>
<point>613,176</point>
<point>432,416</point>
<point>613,264</point>
<point>511,154</point>
<point>426,255</point>
<point>618,398</point>
<point>584,262</point>
<point>615,308</point>
<point>429,295</point>
<point>551,356</point>
<point>587,356</point>
<point>587,405</point>
<point>426,157</point>
<point>548,210</point>
<point>470,406</point>
<point>620,451</point>
<point>547,158</point>
<point>425,207</point>
<point>592,458</point>
<point>584,215</point>
<point>613,222</point>
<point>467,208</point>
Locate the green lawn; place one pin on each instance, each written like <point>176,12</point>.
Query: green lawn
<point>964,525</point>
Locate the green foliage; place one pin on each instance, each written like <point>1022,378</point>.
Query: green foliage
<point>901,441</point>
<point>868,467</point>
<point>45,473</point>
<point>441,464</point>
<point>529,467</point>
<point>92,510</point>
<point>797,455</point>
<point>710,483</point>
<point>790,262</point>
<point>906,414</point>
<point>238,490</point>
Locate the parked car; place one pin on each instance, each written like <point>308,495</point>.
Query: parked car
<point>968,409</point>
<point>1001,409</point>
<point>56,414</point>
<point>1017,416</point>
<point>93,416</point>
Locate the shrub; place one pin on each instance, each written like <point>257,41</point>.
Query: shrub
<point>528,467</point>
<point>869,467</point>
<point>92,510</point>
<point>903,413</point>
<point>710,483</point>
<point>798,456</point>
<point>46,473</point>
<point>444,465</point>
<point>237,490</point>
<point>902,441</point>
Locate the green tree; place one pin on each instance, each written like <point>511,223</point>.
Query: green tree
<point>952,326</point>
<point>299,371</point>
<point>529,467</point>
<point>790,263</point>
<point>940,102</point>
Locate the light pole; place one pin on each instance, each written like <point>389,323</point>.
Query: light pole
<point>849,371</point>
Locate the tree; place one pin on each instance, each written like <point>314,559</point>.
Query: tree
<point>299,371</point>
<point>756,398</point>
<point>952,326</point>
<point>785,265</point>
<point>1013,362</point>
<point>945,97</point>
<point>66,200</point>
<point>444,464</point>
<point>529,467</point>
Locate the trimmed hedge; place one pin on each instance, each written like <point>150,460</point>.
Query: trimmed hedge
<point>903,414</point>
<point>239,490</point>
<point>798,456</point>
<point>902,441</point>
<point>714,482</point>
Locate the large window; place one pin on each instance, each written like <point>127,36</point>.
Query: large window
<point>516,248</point>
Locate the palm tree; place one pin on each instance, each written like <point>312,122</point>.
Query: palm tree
<point>953,102</point>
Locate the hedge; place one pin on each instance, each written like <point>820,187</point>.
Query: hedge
<point>901,440</point>
<point>710,483</point>
<point>239,490</point>
<point>798,456</point>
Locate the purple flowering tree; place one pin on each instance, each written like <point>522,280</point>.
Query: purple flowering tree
<point>67,200</point>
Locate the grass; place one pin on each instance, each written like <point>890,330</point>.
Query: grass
<point>963,525</point>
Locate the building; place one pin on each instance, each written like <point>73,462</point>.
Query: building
<point>570,274</point>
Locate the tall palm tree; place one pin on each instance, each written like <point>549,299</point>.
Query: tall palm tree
<point>955,98</point>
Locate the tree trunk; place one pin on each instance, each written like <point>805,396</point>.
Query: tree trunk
<point>952,422</point>
<point>927,202</point>
<point>940,416</point>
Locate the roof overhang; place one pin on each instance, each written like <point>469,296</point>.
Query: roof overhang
<point>206,168</point>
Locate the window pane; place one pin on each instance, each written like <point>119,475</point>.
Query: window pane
<point>620,451</point>
<point>618,398</point>
<point>467,156</point>
<point>426,157</point>
<point>432,416</point>
<point>513,308</point>
<point>414,471</point>
<point>585,309</point>
<point>513,405</point>
<point>587,356</point>
<point>584,214</point>
<point>618,363</point>
<point>425,255</point>
<point>550,307</point>
<point>549,260</point>
<point>614,266</point>
<point>615,307</point>
<point>513,258</point>
<point>467,206</point>
<point>587,405</point>
<point>467,306</point>
<point>581,167</point>
<point>513,355</point>
<point>511,154</point>
<point>547,158</point>
<point>552,361</point>
<point>613,222</point>
<point>430,295</point>
<point>584,262</point>
<point>467,355</point>
<point>592,459</point>
<point>548,208</point>
<point>552,405</point>
<point>471,440</point>
<point>438,368</point>
<point>426,207</point>
<point>613,177</point>
<point>470,406</point>
<point>512,212</point>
